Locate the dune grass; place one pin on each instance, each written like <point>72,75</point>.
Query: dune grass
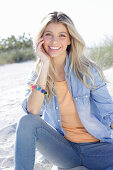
<point>103,53</point>
<point>16,55</point>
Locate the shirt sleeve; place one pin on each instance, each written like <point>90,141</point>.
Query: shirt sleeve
<point>102,99</point>
<point>31,79</point>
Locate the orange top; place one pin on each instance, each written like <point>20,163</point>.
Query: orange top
<point>71,123</point>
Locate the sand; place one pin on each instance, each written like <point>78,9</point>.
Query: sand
<point>12,86</point>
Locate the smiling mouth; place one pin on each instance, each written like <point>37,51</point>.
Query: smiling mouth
<point>54,48</point>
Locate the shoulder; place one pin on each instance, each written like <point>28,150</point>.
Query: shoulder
<point>98,76</point>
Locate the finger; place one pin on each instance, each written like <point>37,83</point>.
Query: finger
<point>39,40</point>
<point>39,45</point>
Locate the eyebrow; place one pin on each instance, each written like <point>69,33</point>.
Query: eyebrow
<point>59,32</point>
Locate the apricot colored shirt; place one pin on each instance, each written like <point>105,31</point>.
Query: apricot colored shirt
<point>75,131</point>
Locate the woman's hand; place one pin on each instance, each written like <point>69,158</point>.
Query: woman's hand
<point>111,126</point>
<point>40,52</point>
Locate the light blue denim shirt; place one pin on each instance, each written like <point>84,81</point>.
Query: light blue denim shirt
<point>95,107</point>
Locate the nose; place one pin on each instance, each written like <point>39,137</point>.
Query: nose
<point>54,39</point>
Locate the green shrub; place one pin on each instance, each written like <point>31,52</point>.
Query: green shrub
<point>103,54</point>
<point>20,42</point>
<point>16,55</point>
<point>16,49</point>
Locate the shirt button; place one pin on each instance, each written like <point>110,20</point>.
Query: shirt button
<point>58,120</point>
<point>56,108</point>
<point>76,98</point>
<point>86,96</point>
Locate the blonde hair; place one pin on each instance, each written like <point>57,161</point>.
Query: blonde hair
<point>79,63</point>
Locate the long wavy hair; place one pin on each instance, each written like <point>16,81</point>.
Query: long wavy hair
<point>79,63</point>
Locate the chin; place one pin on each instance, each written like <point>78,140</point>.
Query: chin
<point>53,55</point>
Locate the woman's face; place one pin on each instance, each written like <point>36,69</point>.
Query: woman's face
<point>56,39</point>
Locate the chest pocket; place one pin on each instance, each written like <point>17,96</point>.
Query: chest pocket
<point>79,90</point>
<point>83,104</point>
<point>83,98</point>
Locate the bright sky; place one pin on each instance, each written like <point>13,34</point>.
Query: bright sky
<point>92,18</point>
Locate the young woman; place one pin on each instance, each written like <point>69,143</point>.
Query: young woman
<point>69,110</point>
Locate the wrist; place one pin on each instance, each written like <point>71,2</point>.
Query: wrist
<point>47,62</point>
<point>38,88</point>
<point>40,85</point>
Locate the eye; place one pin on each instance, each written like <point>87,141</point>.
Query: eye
<point>48,34</point>
<point>62,35</point>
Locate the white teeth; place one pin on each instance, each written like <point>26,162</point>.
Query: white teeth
<point>54,48</point>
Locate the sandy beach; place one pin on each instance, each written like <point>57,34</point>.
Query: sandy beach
<point>12,87</point>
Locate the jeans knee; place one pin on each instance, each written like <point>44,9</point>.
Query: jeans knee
<point>28,121</point>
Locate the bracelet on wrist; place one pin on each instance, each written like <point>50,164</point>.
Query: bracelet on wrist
<point>38,88</point>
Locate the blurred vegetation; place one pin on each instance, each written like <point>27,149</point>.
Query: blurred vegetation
<point>103,53</point>
<point>19,49</point>
<point>16,49</point>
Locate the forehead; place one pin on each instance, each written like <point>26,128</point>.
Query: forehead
<point>56,27</point>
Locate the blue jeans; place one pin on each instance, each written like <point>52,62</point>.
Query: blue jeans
<point>32,129</point>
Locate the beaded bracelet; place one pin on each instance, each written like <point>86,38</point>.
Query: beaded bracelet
<point>34,86</point>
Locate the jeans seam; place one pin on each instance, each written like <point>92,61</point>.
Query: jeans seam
<point>81,161</point>
<point>59,140</point>
<point>56,138</point>
<point>34,146</point>
<point>32,152</point>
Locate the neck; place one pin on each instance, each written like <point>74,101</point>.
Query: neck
<point>59,64</point>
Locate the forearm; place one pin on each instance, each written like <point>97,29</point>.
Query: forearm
<point>35,99</point>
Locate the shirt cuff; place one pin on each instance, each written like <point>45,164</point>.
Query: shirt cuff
<point>24,105</point>
<point>109,119</point>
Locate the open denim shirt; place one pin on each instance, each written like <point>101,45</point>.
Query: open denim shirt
<point>95,107</point>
